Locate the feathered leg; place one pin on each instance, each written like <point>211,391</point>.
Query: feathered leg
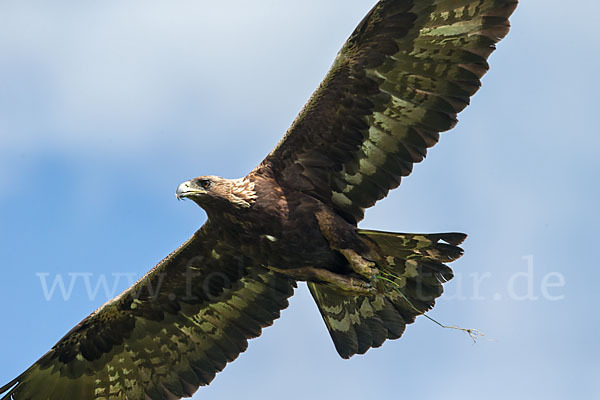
<point>343,238</point>
<point>340,282</point>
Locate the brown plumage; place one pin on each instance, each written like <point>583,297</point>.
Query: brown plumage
<point>401,78</point>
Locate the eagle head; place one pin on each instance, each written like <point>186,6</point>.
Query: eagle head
<point>214,192</point>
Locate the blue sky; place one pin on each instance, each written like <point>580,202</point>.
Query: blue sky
<point>105,107</point>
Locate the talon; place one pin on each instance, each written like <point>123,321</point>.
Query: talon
<point>356,286</point>
<point>361,283</point>
<point>360,265</point>
<point>360,286</point>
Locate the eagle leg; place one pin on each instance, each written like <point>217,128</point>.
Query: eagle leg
<point>360,265</point>
<point>341,282</point>
<point>342,238</point>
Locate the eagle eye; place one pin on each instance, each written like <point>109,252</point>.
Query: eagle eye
<point>205,183</point>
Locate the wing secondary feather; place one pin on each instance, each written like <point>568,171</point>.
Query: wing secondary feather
<point>166,335</point>
<point>401,78</point>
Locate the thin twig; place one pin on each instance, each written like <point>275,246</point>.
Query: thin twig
<point>474,334</point>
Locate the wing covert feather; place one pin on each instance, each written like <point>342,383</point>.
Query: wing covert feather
<point>166,335</point>
<point>401,78</point>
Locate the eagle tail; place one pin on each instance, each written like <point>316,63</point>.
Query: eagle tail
<point>411,274</point>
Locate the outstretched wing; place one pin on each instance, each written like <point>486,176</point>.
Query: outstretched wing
<point>166,335</point>
<point>401,78</point>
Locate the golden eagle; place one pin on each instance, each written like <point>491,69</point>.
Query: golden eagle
<point>401,78</point>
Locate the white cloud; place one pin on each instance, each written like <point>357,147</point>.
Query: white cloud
<point>127,79</point>
<point>118,74</point>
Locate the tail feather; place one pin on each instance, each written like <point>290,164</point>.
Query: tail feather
<point>412,272</point>
<point>356,323</point>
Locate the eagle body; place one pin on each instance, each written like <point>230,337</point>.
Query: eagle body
<point>399,81</point>
<point>279,229</point>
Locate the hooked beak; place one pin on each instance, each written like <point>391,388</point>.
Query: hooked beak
<point>187,189</point>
